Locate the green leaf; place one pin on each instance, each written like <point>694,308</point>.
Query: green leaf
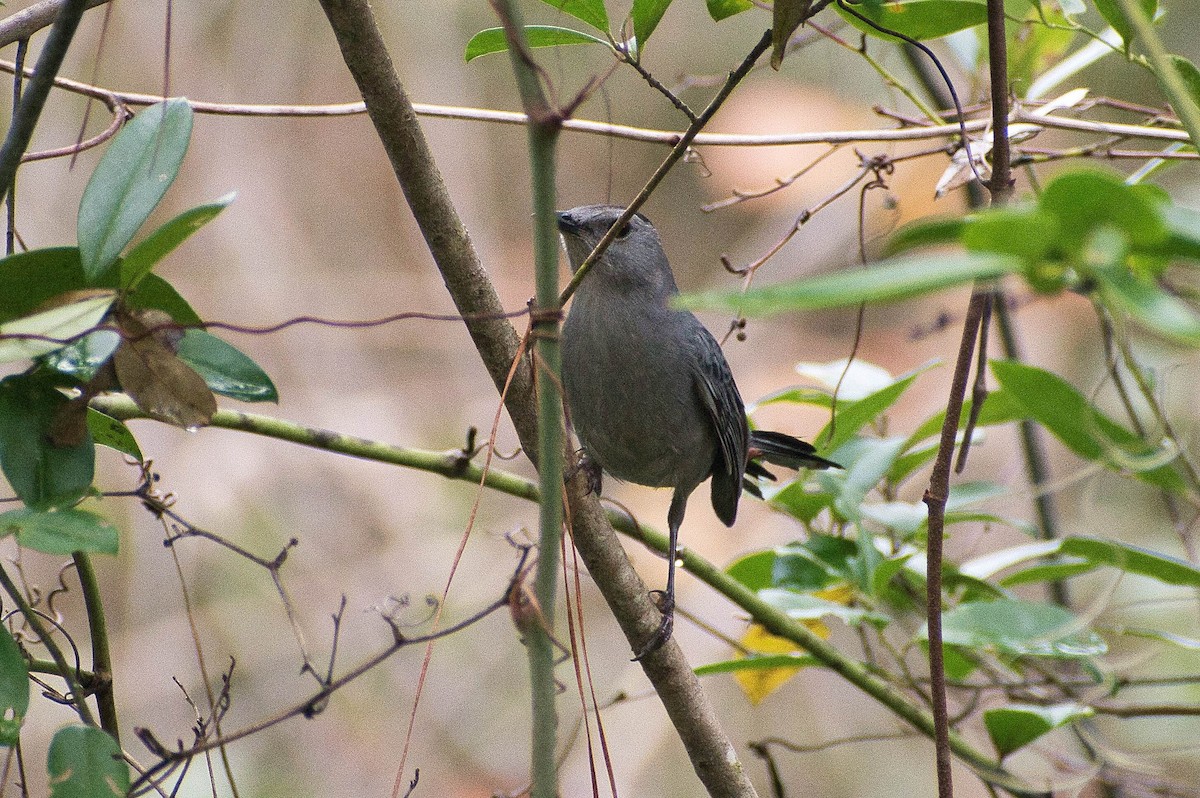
<point>802,607</point>
<point>853,416</point>
<point>1017,725</point>
<point>758,662</point>
<point>929,232</point>
<point>1020,628</point>
<point>1132,559</point>
<point>60,531</point>
<point>592,12</point>
<point>28,279</point>
<point>1067,415</point>
<point>919,19</point>
<point>1028,233</point>
<point>153,248</point>
<point>1114,15</point>
<point>1039,41</point>
<point>1086,199</point>
<point>889,280</point>
<point>646,16</point>
<point>1183,232</point>
<point>42,475</point>
<point>786,16</point>
<point>85,762</point>
<point>875,456</point>
<point>84,358</point>
<point>14,688</point>
<point>155,292</point>
<point>1151,306</point>
<point>112,432</point>
<point>721,9</point>
<point>137,169</point>
<point>1054,571</point>
<point>225,369</point>
<point>1189,74</point>
<point>753,570</point>
<point>798,502</point>
<point>1087,553</point>
<point>492,40</point>
<point>62,323</point>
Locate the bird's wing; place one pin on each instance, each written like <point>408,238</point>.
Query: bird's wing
<point>719,396</point>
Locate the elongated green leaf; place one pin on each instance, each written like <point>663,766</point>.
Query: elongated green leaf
<point>592,12</point>
<point>60,531</point>
<point>759,662</point>
<point>1114,15</point>
<point>42,475</point>
<point>1054,571</point>
<point>920,19</point>
<point>14,688</point>
<point>889,280</point>
<point>149,251</point>
<point>225,369</point>
<point>52,327</point>
<point>492,40</point>
<point>853,416</point>
<point>1017,725</point>
<point>1151,306</point>
<point>137,169</point>
<point>1189,73</point>
<point>1067,415</point>
<point>721,9</point>
<point>1133,559</point>
<point>112,432</point>
<point>933,231</point>
<point>85,762</point>
<point>1020,628</point>
<point>646,16</point>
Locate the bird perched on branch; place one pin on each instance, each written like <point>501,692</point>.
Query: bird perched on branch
<point>648,390</point>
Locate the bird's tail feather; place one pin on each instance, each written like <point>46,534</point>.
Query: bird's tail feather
<point>784,450</point>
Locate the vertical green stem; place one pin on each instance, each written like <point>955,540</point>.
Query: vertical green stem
<point>545,122</point>
<point>542,141</point>
<point>101,656</point>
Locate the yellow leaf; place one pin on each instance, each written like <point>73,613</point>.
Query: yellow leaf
<point>758,684</point>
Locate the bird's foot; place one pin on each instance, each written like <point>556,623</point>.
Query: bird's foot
<point>591,470</point>
<point>666,605</point>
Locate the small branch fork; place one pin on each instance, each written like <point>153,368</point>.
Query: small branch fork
<point>172,758</point>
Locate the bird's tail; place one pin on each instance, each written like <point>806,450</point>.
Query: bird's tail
<point>784,450</point>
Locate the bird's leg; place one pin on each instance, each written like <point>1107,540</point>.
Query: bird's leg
<point>666,604</point>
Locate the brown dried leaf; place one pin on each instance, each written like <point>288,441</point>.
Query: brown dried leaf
<point>157,380</point>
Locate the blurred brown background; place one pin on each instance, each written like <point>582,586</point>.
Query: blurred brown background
<point>320,228</point>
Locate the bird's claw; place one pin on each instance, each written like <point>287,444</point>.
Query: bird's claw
<point>666,605</point>
<point>591,471</point>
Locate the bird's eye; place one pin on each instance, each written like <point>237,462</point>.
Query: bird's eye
<point>625,230</point>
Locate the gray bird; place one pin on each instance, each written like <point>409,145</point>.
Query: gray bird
<point>648,390</point>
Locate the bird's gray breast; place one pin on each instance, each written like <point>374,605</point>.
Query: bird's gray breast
<point>630,384</point>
